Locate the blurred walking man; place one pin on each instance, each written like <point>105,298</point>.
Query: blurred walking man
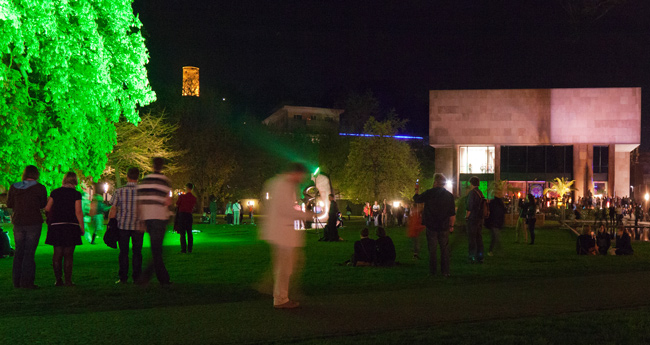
<point>153,195</point>
<point>278,230</point>
<point>438,216</point>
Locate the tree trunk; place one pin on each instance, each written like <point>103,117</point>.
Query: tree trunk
<point>118,179</point>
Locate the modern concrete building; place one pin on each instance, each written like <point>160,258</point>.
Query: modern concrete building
<point>535,135</point>
<point>307,119</point>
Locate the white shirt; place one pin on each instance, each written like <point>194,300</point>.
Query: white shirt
<point>278,228</point>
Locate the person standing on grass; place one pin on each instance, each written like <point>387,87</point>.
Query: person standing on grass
<point>521,223</point>
<point>26,198</point>
<point>438,216</point>
<point>278,231</point>
<point>474,217</point>
<point>331,231</point>
<point>531,211</point>
<point>367,212</point>
<point>66,226</point>
<point>250,213</point>
<point>213,210</point>
<point>495,222</point>
<point>236,211</point>
<point>96,213</point>
<point>228,213</point>
<point>185,205</point>
<point>153,197</point>
<point>125,211</point>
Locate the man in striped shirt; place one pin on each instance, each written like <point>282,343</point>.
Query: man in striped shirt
<point>153,196</point>
<point>125,210</point>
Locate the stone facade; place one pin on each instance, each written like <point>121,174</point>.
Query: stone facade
<point>579,117</point>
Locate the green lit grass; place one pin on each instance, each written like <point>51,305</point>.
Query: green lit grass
<point>214,299</point>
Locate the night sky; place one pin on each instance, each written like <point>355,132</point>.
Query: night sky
<point>262,54</point>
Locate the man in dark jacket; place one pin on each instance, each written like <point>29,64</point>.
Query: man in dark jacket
<point>365,252</point>
<point>26,198</point>
<point>495,222</point>
<point>474,217</point>
<point>438,216</point>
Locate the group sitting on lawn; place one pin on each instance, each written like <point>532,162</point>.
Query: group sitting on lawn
<point>369,252</point>
<point>593,244</point>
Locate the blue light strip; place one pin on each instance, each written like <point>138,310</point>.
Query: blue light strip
<point>404,137</point>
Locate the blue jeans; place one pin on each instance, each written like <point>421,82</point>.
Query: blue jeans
<point>26,240</point>
<point>156,229</point>
<point>435,239</point>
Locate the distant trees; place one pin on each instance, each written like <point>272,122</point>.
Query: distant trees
<point>137,144</point>
<point>380,166</point>
<point>68,72</point>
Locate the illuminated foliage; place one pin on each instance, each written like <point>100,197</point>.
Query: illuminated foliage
<point>68,71</point>
<point>136,145</point>
<point>380,167</point>
<point>561,187</point>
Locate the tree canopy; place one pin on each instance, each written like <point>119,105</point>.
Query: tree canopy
<point>69,72</point>
<point>380,167</point>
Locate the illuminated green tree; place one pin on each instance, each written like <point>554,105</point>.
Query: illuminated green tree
<point>69,71</point>
<point>381,166</point>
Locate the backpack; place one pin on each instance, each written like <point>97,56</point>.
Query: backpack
<point>484,208</point>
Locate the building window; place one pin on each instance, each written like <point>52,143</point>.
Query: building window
<point>477,159</point>
<point>297,117</point>
<point>601,159</point>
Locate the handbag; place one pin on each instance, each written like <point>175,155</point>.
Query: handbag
<point>112,234</point>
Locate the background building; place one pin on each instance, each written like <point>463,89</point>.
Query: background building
<point>191,81</point>
<point>531,136</point>
<point>306,119</point>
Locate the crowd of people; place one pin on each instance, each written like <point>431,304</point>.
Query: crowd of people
<point>385,214</point>
<point>136,207</point>
<point>145,204</point>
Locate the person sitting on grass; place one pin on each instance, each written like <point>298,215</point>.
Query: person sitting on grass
<point>385,248</point>
<point>365,253</point>
<point>586,243</point>
<point>603,240</point>
<point>623,242</point>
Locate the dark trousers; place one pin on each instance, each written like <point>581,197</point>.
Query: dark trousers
<point>156,229</point>
<point>184,227</point>
<point>136,238</point>
<point>26,240</point>
<point>435,239</point>
<point>531,229</point>
<point>475,236</point>
<point>495,243</point>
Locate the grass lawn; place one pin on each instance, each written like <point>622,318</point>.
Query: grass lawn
<point>541,294</point>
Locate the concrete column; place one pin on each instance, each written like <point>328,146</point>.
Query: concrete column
<point>622,181</point>
<point>445,163</point>
<point>497,162</point>
<point>580,168</point>
<point>589,174</point>
<point>611,171</point>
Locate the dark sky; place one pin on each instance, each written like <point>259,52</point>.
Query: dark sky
<point>263,53</point>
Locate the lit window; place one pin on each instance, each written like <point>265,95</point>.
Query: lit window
<point>477,159</point>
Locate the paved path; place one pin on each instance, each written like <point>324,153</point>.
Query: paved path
<point>256,321</point>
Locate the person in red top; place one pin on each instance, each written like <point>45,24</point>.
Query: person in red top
<point>185,205</point>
